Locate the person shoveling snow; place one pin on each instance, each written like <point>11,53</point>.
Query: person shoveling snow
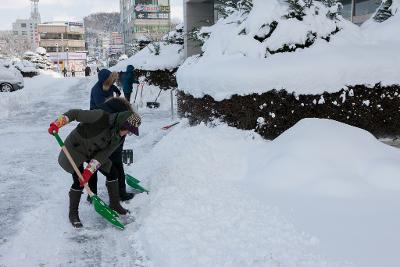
<point>93,140</point>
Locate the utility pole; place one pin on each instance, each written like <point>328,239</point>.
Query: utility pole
<point>58,58</point>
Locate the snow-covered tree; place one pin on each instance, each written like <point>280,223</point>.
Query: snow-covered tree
<point>227,7</point>
<point>276,26</point>
<point>175,36</point>
<point>387,9</point>
<point>14,46</point>
<point>297,7</point>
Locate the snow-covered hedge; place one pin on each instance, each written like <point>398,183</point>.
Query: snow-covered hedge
<point>241,55</point>
<point>268,68</point>
<point>158,61</point>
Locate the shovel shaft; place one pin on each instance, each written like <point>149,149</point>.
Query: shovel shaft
<point>72,162</point>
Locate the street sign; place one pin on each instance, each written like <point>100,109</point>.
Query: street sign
<point>142,15</point>
<point>151,8</point>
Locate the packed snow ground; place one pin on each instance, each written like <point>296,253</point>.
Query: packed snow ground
<point>321,194</point>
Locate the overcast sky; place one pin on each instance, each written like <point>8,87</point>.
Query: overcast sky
<point>70,10</point>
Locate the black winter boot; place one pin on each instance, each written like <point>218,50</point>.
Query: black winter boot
<point>123,195</point>
<point>113,193</point>
<point>74,199</point>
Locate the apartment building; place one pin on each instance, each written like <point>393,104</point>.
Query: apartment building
<point>65,43</point>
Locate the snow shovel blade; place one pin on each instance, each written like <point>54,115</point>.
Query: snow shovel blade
<point>132,182</point>
<point>106,212</point>
<point>131,179</point>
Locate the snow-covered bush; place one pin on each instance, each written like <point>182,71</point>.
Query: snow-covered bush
<point>175,36</point>
<point>271,27</point>
<point>387,9</point>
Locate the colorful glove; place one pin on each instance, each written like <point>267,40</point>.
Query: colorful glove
<point>57,124</point>
<point>90,169</point>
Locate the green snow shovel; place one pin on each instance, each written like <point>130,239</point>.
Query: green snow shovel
<point>134,183</point>
<point>101,208</point>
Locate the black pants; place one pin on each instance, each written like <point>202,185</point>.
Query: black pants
<point>119,174</point>
<point>110,176</point>
<point>128,96</point>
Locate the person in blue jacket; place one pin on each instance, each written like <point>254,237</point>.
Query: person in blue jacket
<point>104,88</point>
<point>127,80</point>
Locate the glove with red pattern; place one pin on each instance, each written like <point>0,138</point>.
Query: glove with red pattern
<point>57,124</point>
<point>90,169</point>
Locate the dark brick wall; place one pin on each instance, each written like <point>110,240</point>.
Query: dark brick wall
<point>280,110</point>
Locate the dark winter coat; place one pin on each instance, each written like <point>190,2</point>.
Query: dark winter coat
<point>87,71</point>
<point>115,105</point>
<point>127,80</point>
<point>96,137</point>
<point>98,95</point>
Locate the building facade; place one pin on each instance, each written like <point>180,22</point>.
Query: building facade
<point>358,11</point>
<point>64,43</point>
<point>144,20</point>
<point>27,29</point>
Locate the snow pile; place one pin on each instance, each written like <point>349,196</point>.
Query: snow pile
<point>164,55</point>
<point>387,30</point>
<point>158,56</point>
<point>19,101</point>
<point>213,192</point>
<point>328,158</point>
<point>273,48</point>
<point>198,214</point>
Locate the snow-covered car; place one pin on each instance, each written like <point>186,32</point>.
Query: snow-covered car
<point>27,68</point>
<point>10,79</point>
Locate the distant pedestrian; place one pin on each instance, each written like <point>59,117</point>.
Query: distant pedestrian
<point>65,72</point>
<point>73,72</point>
<point>127,80</point>
<point>87,71</point>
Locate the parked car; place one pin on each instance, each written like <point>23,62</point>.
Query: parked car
<point>27,68</point>
<point>10,79</point>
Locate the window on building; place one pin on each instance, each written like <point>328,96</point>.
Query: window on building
<point>24,33</point>
<point>23,25</point>
<point>163,2</point>
<point>74,36</point>
<point>365,7</point>
<point>50,36</point>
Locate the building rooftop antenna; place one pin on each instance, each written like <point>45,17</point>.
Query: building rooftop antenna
<point>35,15</point>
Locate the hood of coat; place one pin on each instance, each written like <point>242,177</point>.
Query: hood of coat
<point>129,68</point>
<point>103,75</point>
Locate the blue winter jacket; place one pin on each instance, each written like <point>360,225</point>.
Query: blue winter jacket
<point>128,79</point>
<point>98,96</point>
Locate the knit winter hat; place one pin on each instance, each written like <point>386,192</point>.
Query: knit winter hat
<point>132,124</point>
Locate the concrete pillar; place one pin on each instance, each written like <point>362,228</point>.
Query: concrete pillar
<point>196,13</point>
